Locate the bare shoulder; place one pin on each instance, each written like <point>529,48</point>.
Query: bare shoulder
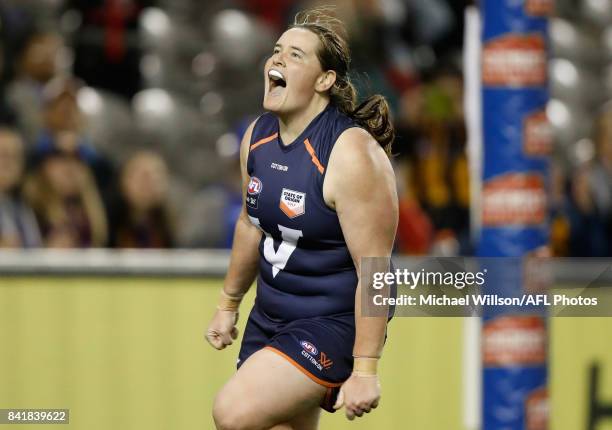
<point>357,153</point>
<point>357,162</point>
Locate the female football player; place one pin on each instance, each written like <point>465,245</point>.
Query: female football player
<point>319,195</point>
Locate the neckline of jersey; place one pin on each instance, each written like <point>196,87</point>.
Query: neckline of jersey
<point>302,136</point>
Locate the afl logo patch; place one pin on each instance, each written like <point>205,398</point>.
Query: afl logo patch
<point>292,203</point>
<point>309,347</point>
<point>254,186</point>
<point>253,191</point>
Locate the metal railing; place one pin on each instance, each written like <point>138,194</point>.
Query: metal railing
<point>213,263</point>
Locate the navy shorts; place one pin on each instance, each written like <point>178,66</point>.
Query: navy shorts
<point>320,347</point>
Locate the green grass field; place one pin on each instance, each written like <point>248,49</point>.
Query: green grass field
<point>127,354</point>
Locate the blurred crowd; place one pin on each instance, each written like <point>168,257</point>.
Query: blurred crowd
<point>120,122</point>
<point>581,196</point>
<point>56,189</point>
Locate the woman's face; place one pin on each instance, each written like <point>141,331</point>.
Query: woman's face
<point>291,72</point>
<point>63,114</point>
<point>63,174</point>
<point>40,56</point>
<point>145,182</point>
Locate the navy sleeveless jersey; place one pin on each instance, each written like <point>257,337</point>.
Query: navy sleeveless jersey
<point>306,269</point>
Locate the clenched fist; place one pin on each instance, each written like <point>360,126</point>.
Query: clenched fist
<point>359,395</point>
<point>222,329</point>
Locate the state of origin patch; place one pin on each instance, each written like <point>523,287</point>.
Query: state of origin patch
<point>292,203</point>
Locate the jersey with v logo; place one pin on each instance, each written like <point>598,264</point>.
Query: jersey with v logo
<point>305,267</point>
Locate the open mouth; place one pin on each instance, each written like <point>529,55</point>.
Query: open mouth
<point>277,79</point>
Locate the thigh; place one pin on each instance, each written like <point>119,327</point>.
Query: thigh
<point>321,348</point>
<point>307,421</point>
<point>266,391</point>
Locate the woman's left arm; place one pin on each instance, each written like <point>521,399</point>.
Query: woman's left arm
<point>360,186</point>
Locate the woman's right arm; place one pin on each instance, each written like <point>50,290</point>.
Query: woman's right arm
<point>244,263</point>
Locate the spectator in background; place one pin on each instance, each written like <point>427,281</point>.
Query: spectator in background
<point>601,172</point>
<point>142,216</point>
<point>64,131</point>
<point>414,229</point>
<point>18,226</point>
<point>431,117</point>
<point>587,229</point>
<point>63,194</point>
<point>36,65</point>
<point>558,206</point>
